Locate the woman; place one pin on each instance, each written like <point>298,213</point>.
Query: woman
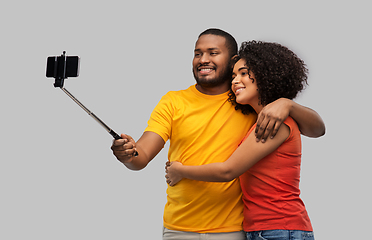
<point>269,172</point>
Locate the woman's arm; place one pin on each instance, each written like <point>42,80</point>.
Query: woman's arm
<point>244,157</point>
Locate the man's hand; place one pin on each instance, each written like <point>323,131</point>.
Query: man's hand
<point>172,174</point>
<point>124,149</point>
<point>271,117</point>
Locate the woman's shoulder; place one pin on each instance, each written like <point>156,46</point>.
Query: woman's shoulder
<point>291,123</point>
<point>294,131</point>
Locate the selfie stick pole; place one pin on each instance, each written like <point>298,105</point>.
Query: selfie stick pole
<point>109,130</point>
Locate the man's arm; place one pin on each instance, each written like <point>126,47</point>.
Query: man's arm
<point>148,146</point>
<point>273,115</point>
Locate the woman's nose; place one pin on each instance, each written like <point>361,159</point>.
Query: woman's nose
<point>235,80</point>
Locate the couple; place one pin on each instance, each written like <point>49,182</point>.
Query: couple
<point>204,127</point>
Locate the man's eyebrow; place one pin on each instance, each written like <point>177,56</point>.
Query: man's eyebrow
<point>209,49</point>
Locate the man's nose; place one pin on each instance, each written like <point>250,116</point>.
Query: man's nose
<point>204,59</point>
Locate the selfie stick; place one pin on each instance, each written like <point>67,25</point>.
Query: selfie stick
<point>109,130</point>
<point>59,83</point>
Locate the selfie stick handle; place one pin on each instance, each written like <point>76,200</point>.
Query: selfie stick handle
<point>109,130</point>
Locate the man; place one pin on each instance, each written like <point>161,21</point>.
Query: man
<point>203,127</point>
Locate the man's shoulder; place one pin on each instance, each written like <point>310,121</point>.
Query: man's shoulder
<point>177,92</point>
<point>180,93</point>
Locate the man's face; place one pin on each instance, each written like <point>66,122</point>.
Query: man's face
<point>211,63</point>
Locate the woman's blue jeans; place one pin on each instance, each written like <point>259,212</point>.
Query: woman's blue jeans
<point>280,235</point>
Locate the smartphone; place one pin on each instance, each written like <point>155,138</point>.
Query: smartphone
<point>62,67</point>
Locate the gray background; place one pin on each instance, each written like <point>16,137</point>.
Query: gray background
<point>58,177</point>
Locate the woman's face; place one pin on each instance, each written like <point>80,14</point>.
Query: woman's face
<point>244,84</point>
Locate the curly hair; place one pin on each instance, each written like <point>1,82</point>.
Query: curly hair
<point>279,72</point>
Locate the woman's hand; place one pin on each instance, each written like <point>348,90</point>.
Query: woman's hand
<point>173,175</point>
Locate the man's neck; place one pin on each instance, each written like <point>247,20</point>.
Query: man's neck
<point>216,90</point>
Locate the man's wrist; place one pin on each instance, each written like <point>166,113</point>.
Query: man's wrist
<point>290,105</point>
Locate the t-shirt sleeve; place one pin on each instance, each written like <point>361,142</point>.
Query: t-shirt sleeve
<point>160,121</point>
<point>293,128</point>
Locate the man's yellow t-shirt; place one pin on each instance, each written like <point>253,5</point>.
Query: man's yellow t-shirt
<point>202,129</point>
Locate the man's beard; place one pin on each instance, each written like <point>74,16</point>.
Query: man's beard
<point>214,82</point>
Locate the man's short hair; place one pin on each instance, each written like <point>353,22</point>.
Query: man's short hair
<point>231,43</point>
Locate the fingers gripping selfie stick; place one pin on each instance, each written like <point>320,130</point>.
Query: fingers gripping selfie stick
<point>63,67</point>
